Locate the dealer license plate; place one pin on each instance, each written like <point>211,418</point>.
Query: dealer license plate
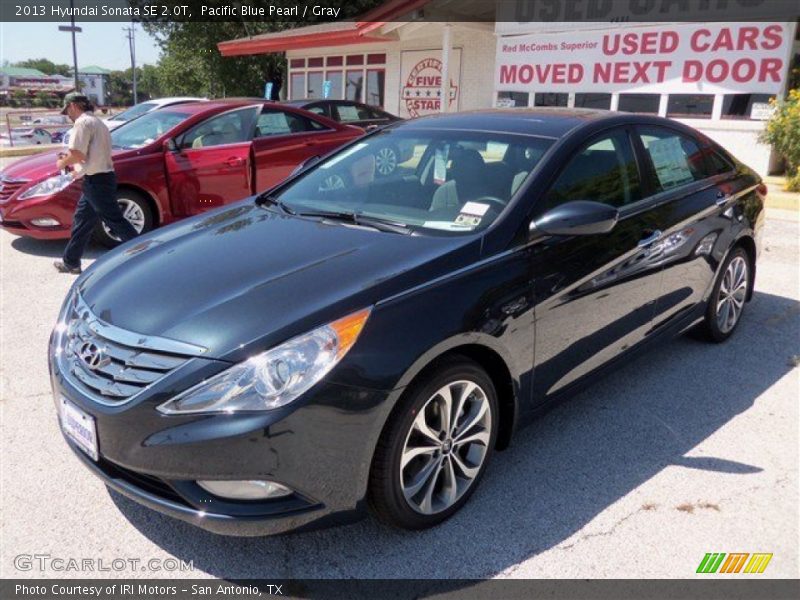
<point>79,427</point>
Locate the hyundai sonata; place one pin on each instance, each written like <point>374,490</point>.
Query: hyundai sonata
<point>350,340</point>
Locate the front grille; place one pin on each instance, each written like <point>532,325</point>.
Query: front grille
<point>109,364</point>
<point>8,187</point>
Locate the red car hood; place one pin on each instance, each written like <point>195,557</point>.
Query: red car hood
<point>33,167</point>
<point>42,165</point>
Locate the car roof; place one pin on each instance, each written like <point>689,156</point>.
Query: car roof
<point>209,105</point>
<point>552,122</point>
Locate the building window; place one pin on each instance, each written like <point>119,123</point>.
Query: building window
<point>314,88</point>
<point>512,99</point>
<point>746,106</point>
<point>376,84</point>
<point>550,99</point>
<point>639,103</point>
<point>337,80</point>
<point>355,83</point>
<point>693,106</point>
<point>297,86</point>
<point>601,101</point>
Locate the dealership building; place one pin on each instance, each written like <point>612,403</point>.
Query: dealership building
<point>404,57</point>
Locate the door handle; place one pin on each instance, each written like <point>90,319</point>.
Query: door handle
<point>651,239</point>
<point>235,161</point>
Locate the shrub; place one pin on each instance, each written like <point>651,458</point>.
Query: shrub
<point>783,132</point>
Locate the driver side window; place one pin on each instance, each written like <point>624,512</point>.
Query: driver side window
<point>228,128</point>
<point>603,171</point>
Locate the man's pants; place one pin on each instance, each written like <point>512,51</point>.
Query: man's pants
<point>98,201</point>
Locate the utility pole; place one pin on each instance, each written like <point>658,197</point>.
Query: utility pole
<point>74,30</point>
<point>132,43</point>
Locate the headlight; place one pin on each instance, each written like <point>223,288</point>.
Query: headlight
<point>276,377</point>
<point>51,185</point>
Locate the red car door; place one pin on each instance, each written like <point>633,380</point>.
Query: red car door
<point>212,163</point>
<point>284,139</point>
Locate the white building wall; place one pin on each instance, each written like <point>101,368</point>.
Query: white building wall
<point>477,62</point>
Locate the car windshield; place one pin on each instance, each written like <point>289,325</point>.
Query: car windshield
<point>426,180</point>
<point>146,129</point>
<point>134,111</point>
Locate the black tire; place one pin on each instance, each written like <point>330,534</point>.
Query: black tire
<point>386,485</point>
<point>125,196</point>
<point>715,327</point>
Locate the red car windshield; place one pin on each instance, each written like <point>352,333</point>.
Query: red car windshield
<point>146,129</point>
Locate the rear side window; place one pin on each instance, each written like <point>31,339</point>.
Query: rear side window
<point>603,171</point>
<point>349,113</point>
<point>275,122</point>
<point>719,163</point>
<point>676,158</point>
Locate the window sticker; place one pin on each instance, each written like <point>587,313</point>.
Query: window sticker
<point>669,161</point>
<point>471,214</point>
<point>440,164</point>
<point>447,225</point>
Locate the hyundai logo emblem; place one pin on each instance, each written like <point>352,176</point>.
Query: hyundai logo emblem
<point>92,355</point>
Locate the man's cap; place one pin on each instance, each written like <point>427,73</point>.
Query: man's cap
<point>73,97</point>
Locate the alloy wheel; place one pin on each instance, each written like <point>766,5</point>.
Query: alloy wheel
<point>132,212</point>
<point>732,294</point>
<point>445,447</point>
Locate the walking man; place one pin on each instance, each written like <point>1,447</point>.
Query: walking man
<point>89,157</point>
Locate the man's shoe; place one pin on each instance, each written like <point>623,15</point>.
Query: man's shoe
<point>63,267</point>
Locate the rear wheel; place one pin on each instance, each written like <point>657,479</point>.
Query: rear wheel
<point>435,449</point>
<point>727,302</point>
<point>135,209</point>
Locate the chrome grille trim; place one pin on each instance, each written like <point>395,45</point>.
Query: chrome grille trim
<point>121,364</point>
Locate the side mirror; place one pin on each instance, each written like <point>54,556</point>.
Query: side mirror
<point>170,145</point>
<point>305,164</point>
<point>581,217</point>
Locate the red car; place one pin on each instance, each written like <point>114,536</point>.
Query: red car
<point>173,163</point>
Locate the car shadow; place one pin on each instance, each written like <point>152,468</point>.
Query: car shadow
<point>53,248</point>
<point>559,473</point>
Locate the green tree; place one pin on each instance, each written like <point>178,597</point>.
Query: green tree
<point>45,66</point>
<point>783,132</point>
<point>192,65</point>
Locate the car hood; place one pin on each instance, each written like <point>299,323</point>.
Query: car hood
<point>244,278</point>
<point>39,166</point>
<point>33,167</point>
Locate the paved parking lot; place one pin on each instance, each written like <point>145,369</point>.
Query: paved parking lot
<point>691,449</point>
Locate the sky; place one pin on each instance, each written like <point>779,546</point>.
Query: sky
<point>99,44</point>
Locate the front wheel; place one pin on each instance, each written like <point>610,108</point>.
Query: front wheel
<point>727,302</point>
<point>135,209</point>
<point>435,448</point>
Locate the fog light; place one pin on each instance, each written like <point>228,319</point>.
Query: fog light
<point>245,490</point>
<point>45,222</point>
<point>706,245</point>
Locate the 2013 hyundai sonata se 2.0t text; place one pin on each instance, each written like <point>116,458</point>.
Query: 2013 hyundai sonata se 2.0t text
<point>353,340</point>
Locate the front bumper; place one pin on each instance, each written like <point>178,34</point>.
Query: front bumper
<point>321,447</point>
<point>17,216</point>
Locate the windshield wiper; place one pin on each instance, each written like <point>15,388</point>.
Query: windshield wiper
<point>359,219</point>
<point>263,199</point>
